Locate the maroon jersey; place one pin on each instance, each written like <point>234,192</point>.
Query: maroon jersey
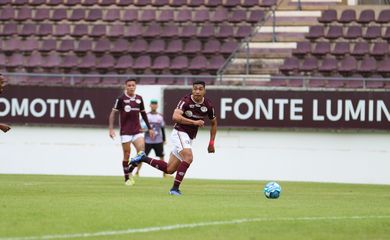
<point>194,111</point>
<point>129,109</point>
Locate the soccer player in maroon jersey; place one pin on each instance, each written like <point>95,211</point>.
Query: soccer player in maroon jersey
<point>129,105</point>
<point>188,117</point>
<point>3,127</point>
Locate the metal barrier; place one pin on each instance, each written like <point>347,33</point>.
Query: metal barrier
<point>180,79</point>
<point>237,80</point>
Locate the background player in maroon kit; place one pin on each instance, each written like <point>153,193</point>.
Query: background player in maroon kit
<point>129,105</point>
<point>188,117</point>
<point>3,127</point>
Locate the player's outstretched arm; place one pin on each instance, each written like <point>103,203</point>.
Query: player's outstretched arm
<point>213,133</point>
<point>111,120</point>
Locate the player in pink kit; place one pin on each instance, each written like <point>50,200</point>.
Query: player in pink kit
<point>188,117</point>
<point>129,105</point>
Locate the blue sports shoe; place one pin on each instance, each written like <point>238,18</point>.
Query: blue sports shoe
<point>175,192</point>
<point>137,159</point>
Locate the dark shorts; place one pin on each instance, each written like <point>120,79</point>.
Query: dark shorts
<point>157,147</point>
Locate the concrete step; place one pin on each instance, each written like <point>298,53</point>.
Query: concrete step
<point>294,18</point>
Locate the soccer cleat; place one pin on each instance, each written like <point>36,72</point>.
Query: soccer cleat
<point>175,192</point>
<point>130,181</point>
<point>138,159</point>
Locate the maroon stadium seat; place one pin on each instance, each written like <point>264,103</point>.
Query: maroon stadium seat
<point>367,66</point>
<point>98,31</point>
<point>147,15</point>
<point>212,46</point>
<point>196,3</point>
<point>166,15</point>
<point>105,62</point>
<point>193,46</point>
<point>124,62</point>
<point>62,30</point>
<point>334,32</point>
<point>170,31</point>
<point>66,45</point>
<point>347,16</point>
<point>24,14</point>
<point>302,49</point>
<point>384,16</point>
<point>156,46</point>
<point>225,31</point>
<point>160,63</point>
<point>116,31</point>
<point>380,50</point>
<point>84,46</point>
<point>28,29</point>
<point>80,30</point>
<point>238,15</point>
<point>138,46</point>
<point>112,15</point>
<point>256,15</point>
<point>45,29</point>
<point>328,16</point>
<point>366,16</point>
<point>184,15</point>
<point>77,14</point>
<point>328,66</point>
<point>41,14</point>
<point>174,46</point>
<point>206,31</point>
<point>201,15</point>
<point>152,31</point>
<point>309,65</point>
<point>220,15</point>
<point>360,49</point>
<point>135,30</point>
<point>215,63</point>
<point>94,15</point>
<point>130,15</point>
<point>59,14</point>
<point>120,46</point>
<point>321,49</point>
<point>341,49</point>
<point>373,32</point>
<point>179,63</point>
<point>289,66</point>
<point>347,66</point>
<point>315,32</point>
<point>102,45</point>
<point>142,62</point>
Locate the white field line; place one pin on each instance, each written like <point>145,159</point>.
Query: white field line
<point>191,225</point>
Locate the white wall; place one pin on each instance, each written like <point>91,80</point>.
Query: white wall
<point>249,154</point>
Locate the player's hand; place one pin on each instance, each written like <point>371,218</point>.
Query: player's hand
<point>211,148</point>
<point>4,127</point>
<point>199,123</point>
<point>112,133</point>
<point>151,133</point>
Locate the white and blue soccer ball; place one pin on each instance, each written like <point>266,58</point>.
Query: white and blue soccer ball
<point>272,190</point>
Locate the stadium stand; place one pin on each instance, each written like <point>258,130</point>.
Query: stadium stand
<point>161,36</point>
<point>328,40</point>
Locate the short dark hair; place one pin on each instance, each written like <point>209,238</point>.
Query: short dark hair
<point>131,80</point>
<point>199,82</point>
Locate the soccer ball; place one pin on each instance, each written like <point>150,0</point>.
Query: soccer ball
<point>272,190</point>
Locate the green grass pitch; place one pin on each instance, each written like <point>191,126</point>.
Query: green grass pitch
<point>83,207</point>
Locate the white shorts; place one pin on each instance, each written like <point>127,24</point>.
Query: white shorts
<point>131,138</point>
<point>180,140</point>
